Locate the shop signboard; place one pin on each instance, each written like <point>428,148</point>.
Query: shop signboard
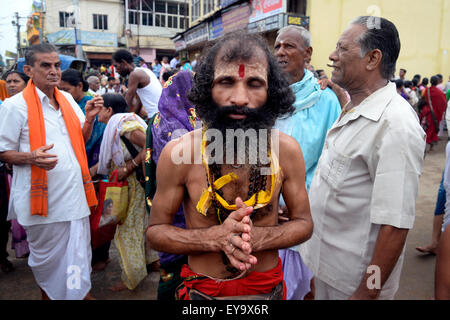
<point>216,28</point>
<point>300,21</point>
<point>262,9</point>
<point>180,45</point>
<point>67,37</point>
<point>197,34</point>
<point>235,19</point>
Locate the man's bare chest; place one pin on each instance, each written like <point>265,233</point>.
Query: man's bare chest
<point>244,185</point>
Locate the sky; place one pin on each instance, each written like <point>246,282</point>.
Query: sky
<point>8,38</point>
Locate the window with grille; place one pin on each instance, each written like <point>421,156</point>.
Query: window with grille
<point>100,21</point>
<point>195,10</point>
<point>158,13</point>
<point>64,18</point>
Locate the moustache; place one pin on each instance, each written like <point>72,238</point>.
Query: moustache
<point>234,109</point>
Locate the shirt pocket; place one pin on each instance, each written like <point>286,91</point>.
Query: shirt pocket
<point>335,169</point>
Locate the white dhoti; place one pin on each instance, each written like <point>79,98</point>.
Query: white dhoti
<point>60,258</point>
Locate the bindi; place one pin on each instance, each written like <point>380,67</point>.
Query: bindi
<point>241,71</point>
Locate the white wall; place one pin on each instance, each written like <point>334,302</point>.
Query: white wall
<point>112,8</point>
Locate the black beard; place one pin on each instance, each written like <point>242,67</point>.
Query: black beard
<point>256,119</point>
<point>218,118</point>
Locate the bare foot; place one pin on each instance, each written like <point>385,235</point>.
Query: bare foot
<point>6,266</point>
<point>100,266</point>
<point>428,249</point>
<point>119,286</point>
<point>154,266</point>
<point>89,297</point>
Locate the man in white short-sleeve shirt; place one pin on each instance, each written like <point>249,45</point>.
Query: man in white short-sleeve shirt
<point>364,190</point>
<point>59,240</point>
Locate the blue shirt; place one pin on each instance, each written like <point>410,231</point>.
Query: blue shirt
<point>173,63</point>
<point>315,112</point>
<point>157,69</point>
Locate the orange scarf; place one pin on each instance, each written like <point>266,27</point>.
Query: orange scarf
<point>3,93</point>
<point>39,192</point>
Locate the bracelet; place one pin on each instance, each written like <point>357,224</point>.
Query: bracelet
<point>135,164</point>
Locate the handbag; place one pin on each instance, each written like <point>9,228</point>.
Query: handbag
<point>140,177</point>
<point>111,210</point>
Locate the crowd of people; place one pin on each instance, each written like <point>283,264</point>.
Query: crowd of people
<point>324,194</point>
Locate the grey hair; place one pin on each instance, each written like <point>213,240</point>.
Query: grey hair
<point>91,79</point>
<point>30,53</point>
<point>380,34</point>
<point>304,34</point>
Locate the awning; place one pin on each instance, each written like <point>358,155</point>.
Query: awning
<point>152,42</point>
<point>99,49</point>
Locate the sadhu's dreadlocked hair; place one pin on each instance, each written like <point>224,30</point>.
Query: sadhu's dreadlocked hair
<point>240,46</point>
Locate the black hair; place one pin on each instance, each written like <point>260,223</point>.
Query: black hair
<point>22,75</point>
<point>106,204</point>
<point>434,80</point>
<point>415,82</point>
<point>30,53</point>
<point>425,81</point>
<point>237,46</point>
<point>439,76</point>
<point>74,77</point>
<point>123,54</point>
<point>399,83</point>
<point>417,76</point>
<point>381,34</point>
<point>111,78</point>
<point>404,70</point>
<point>408,84</point>
<point>166,75</point>
<point>116,101</point>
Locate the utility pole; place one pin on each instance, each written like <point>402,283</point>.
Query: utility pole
<point>138,22</point>
<point>16,23</point>
<point>78,48</point>
<point>41,24</point>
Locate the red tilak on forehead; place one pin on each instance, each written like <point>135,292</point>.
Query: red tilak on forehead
<point>241,71</point>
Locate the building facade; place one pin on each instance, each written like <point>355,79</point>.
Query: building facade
<point>150,25</point>
<point>211,19</point>
<point>422,26</point>
<point>94,24</point>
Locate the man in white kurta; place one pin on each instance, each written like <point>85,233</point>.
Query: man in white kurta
<point>365,186</point>
<point>60,252</point>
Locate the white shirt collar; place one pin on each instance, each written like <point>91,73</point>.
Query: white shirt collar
<point>42,96</point>
<point>374,105</point>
